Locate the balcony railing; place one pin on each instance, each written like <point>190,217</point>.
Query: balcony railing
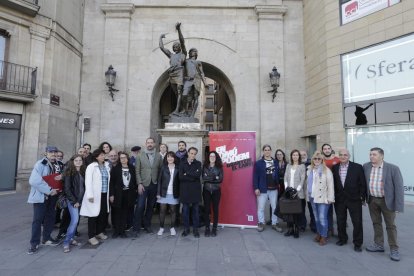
<point>29,7</point>
<point>16,78</point>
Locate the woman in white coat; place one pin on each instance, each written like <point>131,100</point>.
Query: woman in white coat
<point>95,203</point>
<point>320,191</point>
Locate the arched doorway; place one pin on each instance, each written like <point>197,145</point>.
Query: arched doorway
<point>219,101</point>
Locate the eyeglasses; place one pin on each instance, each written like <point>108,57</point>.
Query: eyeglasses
<point>317,158</point>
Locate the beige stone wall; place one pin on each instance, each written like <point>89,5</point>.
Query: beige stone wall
<point>324,41</point>
<point>244,39</point>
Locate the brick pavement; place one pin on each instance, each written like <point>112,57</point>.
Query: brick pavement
<point>233,252</point>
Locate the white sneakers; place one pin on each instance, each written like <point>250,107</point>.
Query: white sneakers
<point>102,236</point>
<point>172,231</point>
<point>93,241</point>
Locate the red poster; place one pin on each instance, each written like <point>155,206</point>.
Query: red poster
<point>238,201</point>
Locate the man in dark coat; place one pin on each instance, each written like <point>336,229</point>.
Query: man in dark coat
<point>190,190</point>
<point>350,194</point>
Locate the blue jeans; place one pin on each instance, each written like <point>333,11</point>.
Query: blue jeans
<point>149,196</point>
<point>321,217</point>
<point>43,213</point>
<point>186,215</point>
<point>74,218</point>
<point>261,202</point>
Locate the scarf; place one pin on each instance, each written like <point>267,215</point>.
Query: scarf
<point>151,155</point>
<point>310,179</point>
<point>181,154</point>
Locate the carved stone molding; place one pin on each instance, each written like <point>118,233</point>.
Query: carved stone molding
<point>118,10</point>
<point>270,12</point>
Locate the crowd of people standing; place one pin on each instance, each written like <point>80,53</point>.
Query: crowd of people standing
<point>128,186</point>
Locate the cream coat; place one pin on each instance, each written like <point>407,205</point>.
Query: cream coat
<point>93,189</point>
<point>323,187</point>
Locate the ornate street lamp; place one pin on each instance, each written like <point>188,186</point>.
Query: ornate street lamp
<point>110,77</point>
<point>274,77</point>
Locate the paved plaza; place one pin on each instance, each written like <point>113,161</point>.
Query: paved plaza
<point>233,252</point>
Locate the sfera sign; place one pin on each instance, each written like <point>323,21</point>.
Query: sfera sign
<point>10,120</point>
<point>355,9</point>
<point>379,71</point>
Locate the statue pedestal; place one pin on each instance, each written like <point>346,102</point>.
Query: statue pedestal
<point>191,133</point>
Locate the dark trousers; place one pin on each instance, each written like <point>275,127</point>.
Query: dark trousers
<point>355,212</point>
<point>120,214</point>
<point>330,217</point>
<point>312,223</point>
<point>195,215</point>
<point>302,218</point>
<point>43,213</point>
<point>148,197</point>
<point>65,221</point>
<point>377,210</point>
<point>211,198</point>
<point>97,225</point>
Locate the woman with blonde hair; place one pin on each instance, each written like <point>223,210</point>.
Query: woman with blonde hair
<point>320,192</point>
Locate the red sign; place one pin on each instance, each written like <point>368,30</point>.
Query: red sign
<point>238,201</point>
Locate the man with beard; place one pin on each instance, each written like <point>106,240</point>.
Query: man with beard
<point>330,161</point>
<point>147,166</point>
<point>181,155</point>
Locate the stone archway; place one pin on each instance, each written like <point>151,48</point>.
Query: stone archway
<point>161,92</point>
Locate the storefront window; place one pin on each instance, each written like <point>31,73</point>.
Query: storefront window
<point>396,140</point>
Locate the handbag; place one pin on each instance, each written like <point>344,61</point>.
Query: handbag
<point>61,201</point>
<point>290,206</point>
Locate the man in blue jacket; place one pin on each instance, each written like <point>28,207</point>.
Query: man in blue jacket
<point>43,198</point>
<point>265,185</point>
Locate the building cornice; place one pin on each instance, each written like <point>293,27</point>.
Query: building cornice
<point>118,10</point>
<point>270,12</point>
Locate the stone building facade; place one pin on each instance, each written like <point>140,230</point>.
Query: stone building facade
<point>238,42</point>
<point>41,59</point>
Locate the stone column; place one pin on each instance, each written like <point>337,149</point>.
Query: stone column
<point>36,115</point>
<point>116,52</point>
<point>272,114</point>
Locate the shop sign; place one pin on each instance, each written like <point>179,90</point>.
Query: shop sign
<point>379,71</point>
<point>355,9</point>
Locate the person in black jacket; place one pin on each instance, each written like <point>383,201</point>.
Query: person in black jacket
<point>74,189</point>
<point>350,194</point>
<point>168,190</point>
<point>190,190</point>
<point>212,178</point>
<point>122,193</point>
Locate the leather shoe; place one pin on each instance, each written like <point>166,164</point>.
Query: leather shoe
<point>357,248</point>
<point>340,243</point>
<point>185,233</point>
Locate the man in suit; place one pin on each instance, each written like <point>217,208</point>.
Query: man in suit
<point>350,194</point>
<point>148,164</point>
<point>385,197</point>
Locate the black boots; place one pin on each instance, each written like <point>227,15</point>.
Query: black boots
<point>289,232</point>
<point>214,232</point>
<point>207,232</point>
<point>295,231</point>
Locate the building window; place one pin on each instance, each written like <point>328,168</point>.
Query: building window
<point>4,37</point>
<point>209,127</point>
<point>209,117</point>
<point>209,103</point>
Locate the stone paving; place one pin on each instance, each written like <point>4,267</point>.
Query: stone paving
<point>233,252</point>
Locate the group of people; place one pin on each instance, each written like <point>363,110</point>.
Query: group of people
<point>105,181</point>
<point>325,182</point>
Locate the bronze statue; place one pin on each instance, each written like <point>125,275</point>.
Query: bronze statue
<point>185,75</point>
<point>193,77</point>
<point>177,60</point>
